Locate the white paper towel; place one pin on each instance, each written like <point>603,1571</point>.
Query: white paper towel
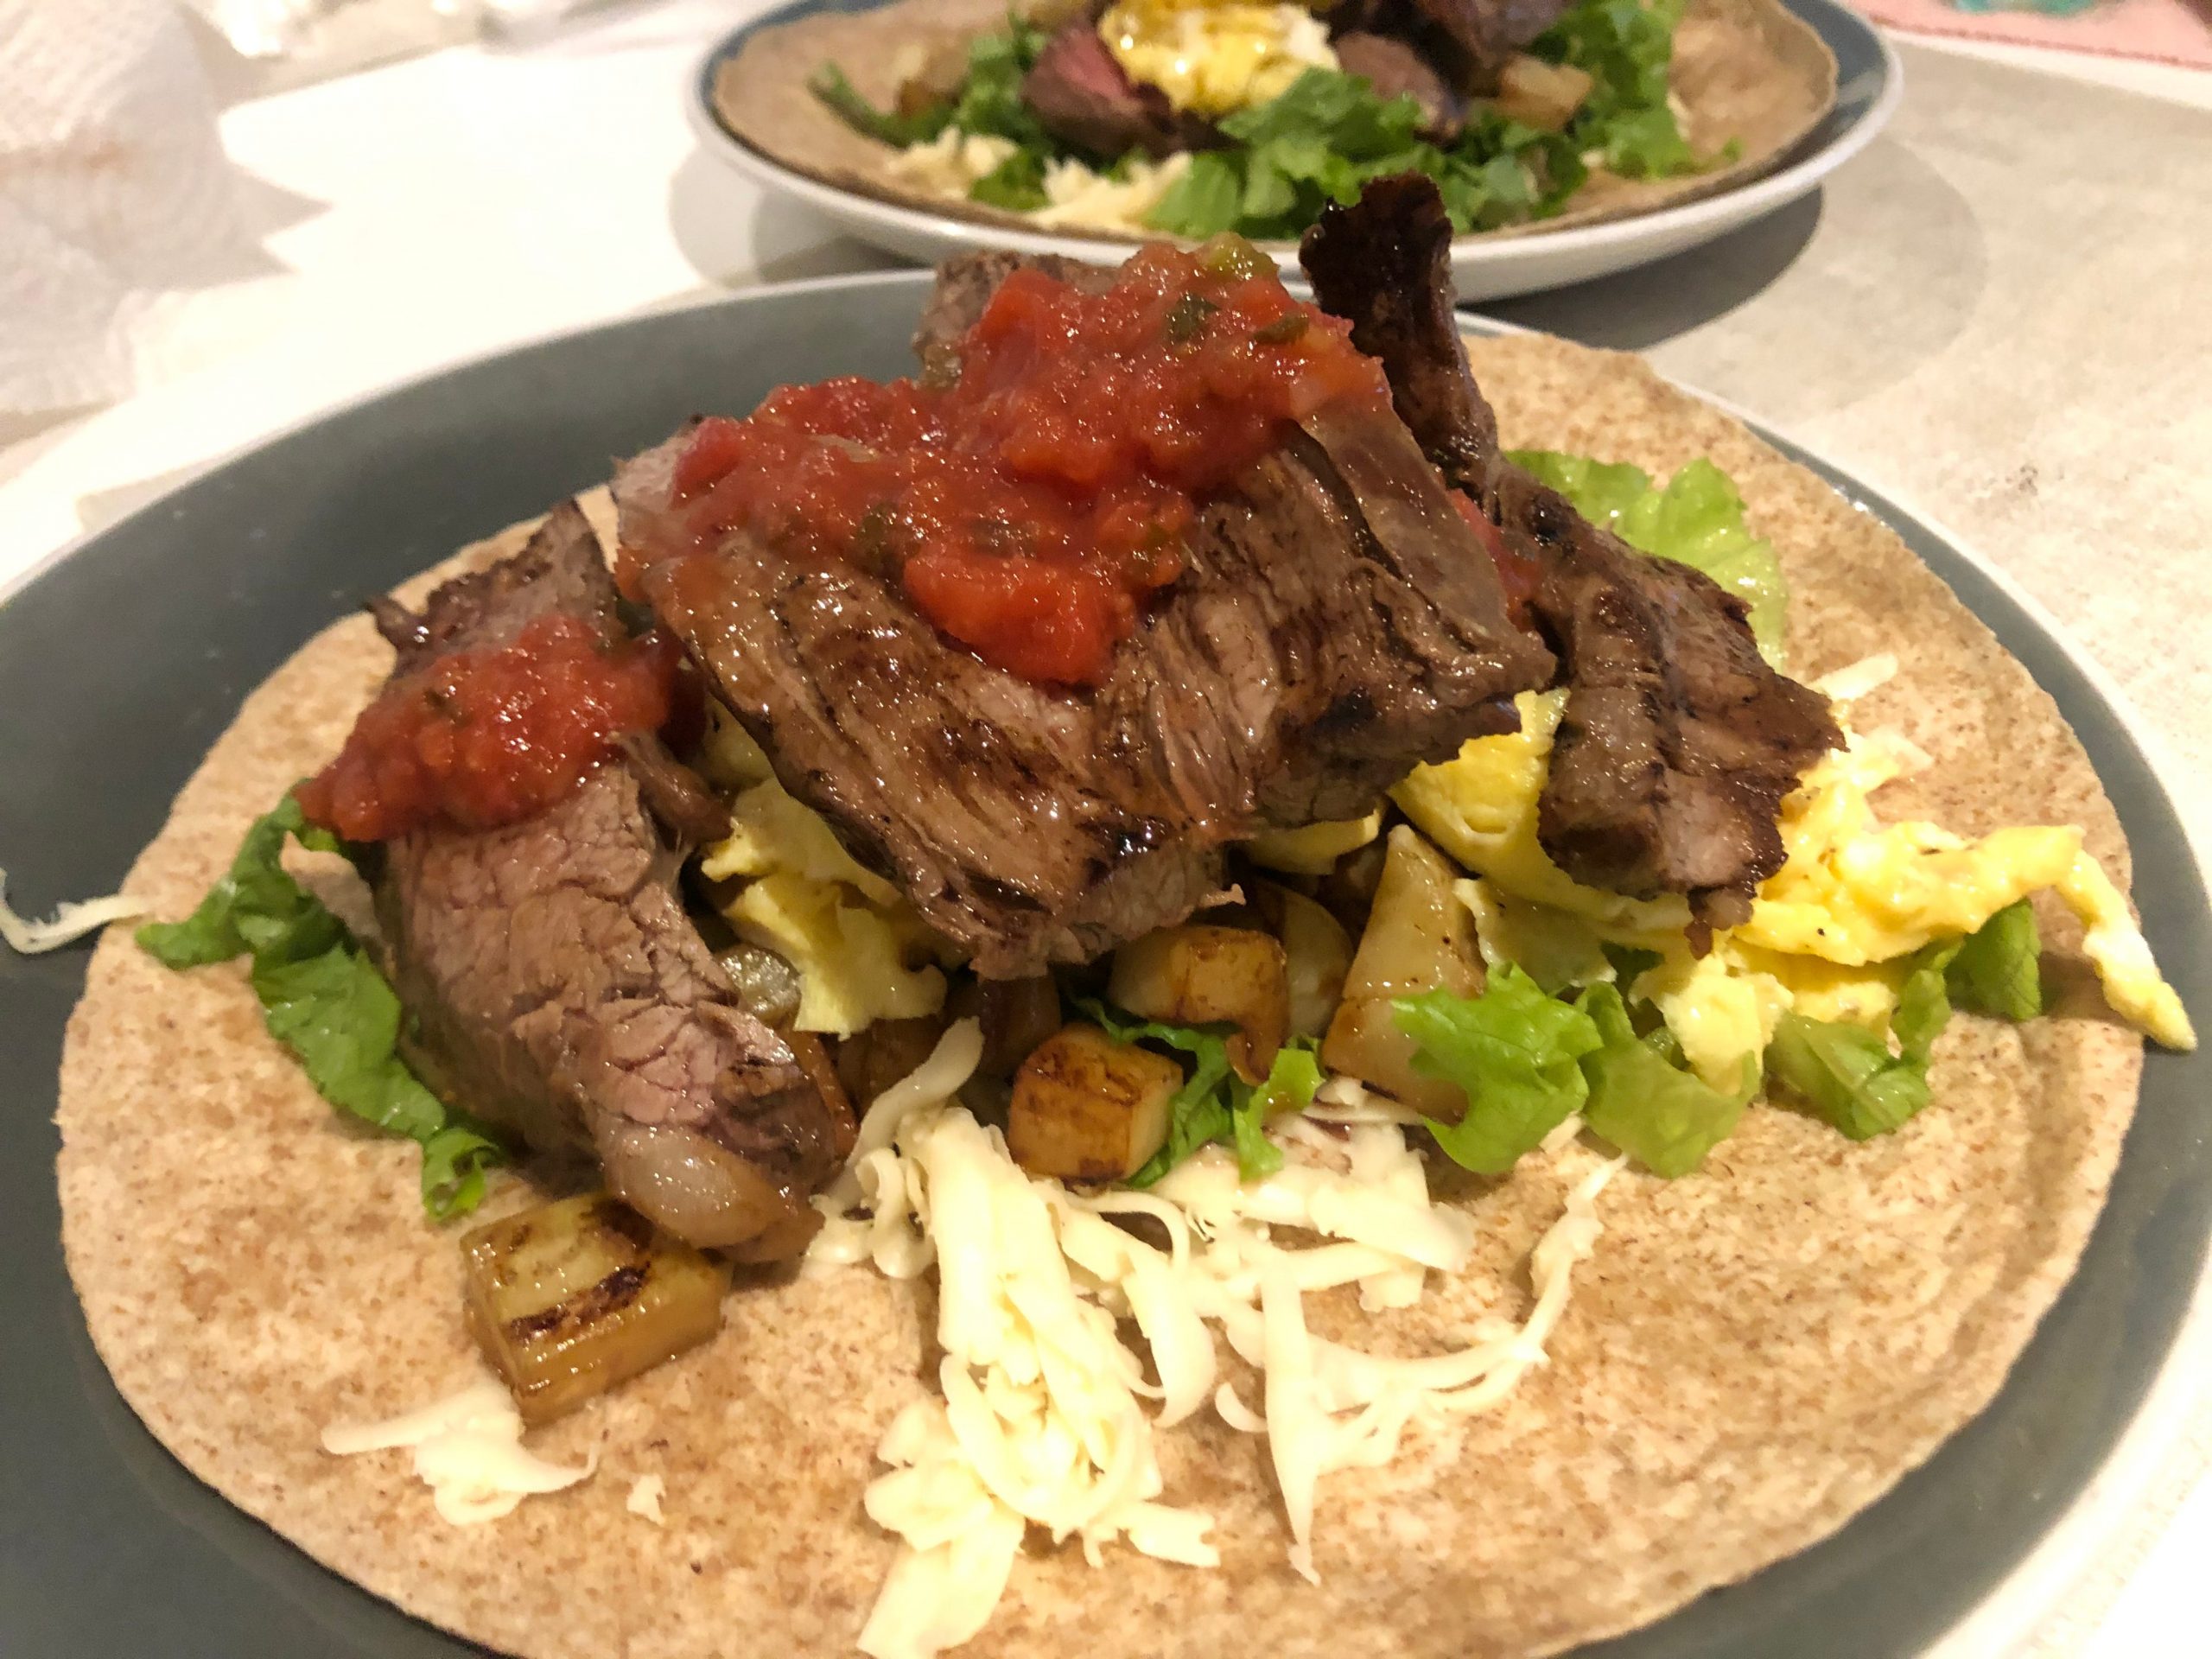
<point>117,203</point>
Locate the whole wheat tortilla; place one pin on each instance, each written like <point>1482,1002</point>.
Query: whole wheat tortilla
<point>1752,1356</point>
<point>1750,71</point>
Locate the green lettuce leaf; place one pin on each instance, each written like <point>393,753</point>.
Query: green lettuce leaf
<point>887,126</point>
<point>990,99</point>
<point>1697,520</point>
<point>1998,969</point>
<point>1848,1074</point>
<point>1016,183</point>
<point>1214,1104</point>
<point>1626,47</point>
<point>324,1000</point>
<point>1644,1101</point>
<point>1513,1051</point>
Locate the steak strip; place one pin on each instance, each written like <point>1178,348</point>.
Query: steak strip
<point>553,983</point>
<point>1679,740</point>
<point>1336,624</point>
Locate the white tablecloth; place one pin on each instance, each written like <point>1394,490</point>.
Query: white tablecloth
<point>2002,311</point>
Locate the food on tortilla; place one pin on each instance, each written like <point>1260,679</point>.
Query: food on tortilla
<point>1194,116</point>
<point>1079,672</point>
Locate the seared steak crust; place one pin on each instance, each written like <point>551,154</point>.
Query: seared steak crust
<point>552,981</point>
<point>1334,625</point>
<point>1679,740</point>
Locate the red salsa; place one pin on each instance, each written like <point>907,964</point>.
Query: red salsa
<point>486,737</point>
<point>1028,508</point>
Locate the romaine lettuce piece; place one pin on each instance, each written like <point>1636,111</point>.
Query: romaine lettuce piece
<point>324,1000</point>
<point>1999,968</point>
<point>1644,1101</point>
<point>1516,1053</point>
<point>1848,1074</point>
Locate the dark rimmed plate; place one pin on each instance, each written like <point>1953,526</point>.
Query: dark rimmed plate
<point>1869,82</point>
<point>121,664</point>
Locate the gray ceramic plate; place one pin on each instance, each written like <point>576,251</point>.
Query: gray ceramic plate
<point>120,665</point>
<point>1869,83</point>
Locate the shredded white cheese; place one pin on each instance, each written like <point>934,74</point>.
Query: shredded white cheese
<point>1039,1420</point>
<point>646,1494</point>
<point>467,1449</point>
<point>1855,680</point>
<point>71,921</point>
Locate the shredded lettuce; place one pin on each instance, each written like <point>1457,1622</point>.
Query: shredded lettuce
<point>1515,1052</point>
<point>1214,1104</point>
<point>1697,519</point>
<point>1644,1101</point>
<point>324,1000</point>
<point>1999,968</point>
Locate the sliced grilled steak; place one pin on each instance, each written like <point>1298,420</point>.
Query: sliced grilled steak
<point>1392,68</point>
<point>1385,266</point>
<point>1334,625</point>
<point>553,981</point>
<point>1079,90</point>
<point>1679,741</point>
<point>1466,41</point>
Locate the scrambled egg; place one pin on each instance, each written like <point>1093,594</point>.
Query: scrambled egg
<point>1215,58</point>
<point>1313,849</point>
<point>1830,933</point>
<point>860,950</point>
<point>1481,808</point>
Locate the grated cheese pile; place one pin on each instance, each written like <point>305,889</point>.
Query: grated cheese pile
<point>1041,1419</point>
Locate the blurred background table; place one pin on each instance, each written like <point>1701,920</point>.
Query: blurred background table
<point>1998,313</point>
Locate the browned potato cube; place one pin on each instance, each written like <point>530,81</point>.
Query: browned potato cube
<point>1200,976</point>
<point>1418,937</point>
<point>1540,94</point>
<point>568,1298</point>
<point>1086,1108</point>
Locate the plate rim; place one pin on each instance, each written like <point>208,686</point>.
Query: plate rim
<point>2015,1608</point>
<point>1711,215</point>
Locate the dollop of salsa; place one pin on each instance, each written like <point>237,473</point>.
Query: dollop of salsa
<point>1029,508</point>
<point>489,736</point>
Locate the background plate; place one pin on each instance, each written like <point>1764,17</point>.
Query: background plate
<point>1869,82</point>
<point>119,666</point>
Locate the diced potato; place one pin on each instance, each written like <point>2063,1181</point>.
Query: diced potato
<point>1086,1108</point>
<point>1317,952</point>
<point>568,1298</point>
<point>1198,976</point>
<point>1418,937</point>
<point>1313,849</point>
<point>1540,94</point>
